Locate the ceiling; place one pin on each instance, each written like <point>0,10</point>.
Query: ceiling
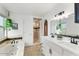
<point>35,9</point>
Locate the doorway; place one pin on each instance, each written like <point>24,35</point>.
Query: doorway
<point>46,28</point>
<point>36,30</point>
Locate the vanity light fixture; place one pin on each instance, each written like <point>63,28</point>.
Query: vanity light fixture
<point>60,13</point>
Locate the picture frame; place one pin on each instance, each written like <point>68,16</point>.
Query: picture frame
<point>15,26</point>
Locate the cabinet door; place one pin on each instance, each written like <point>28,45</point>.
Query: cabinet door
<point>46,51</point>
<point>46,48</point>
<point>50,48</point>
<point>68,53</point>
<point>56,50</point>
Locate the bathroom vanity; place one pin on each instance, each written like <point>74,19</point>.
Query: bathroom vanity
<point>62,47</point>
<point>12,48</point>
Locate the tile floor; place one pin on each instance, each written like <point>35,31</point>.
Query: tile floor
<point>34,50</point>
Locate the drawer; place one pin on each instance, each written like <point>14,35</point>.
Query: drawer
<point>54,53</point>
<point>68,53</point>
<point>56,48</point>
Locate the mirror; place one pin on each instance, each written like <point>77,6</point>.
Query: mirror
<point>58,26</point>
<point>61,26</point>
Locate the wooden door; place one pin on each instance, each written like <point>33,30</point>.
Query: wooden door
<point>36,35</point>
<point>45,28</point>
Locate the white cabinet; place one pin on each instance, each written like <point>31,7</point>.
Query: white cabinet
<point>50,48</point>
<point>56,50</point>
<point>67,53</point>
<point>45,48</point>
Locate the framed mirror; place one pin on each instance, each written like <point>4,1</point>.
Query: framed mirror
<point>58,26</point>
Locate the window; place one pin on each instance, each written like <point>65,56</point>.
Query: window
<point>2,31</point>
<point>1,20</point>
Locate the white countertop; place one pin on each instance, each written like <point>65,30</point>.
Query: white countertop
<point>65,43</point>
<point>7,49</point>
<point>20,51</point>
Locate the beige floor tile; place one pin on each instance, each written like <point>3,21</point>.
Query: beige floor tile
<point>34,50</point>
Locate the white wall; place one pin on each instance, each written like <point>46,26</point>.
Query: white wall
<point>28,30</point>
<point>16,18</point>
<point>25,29</point>
<point>67,7</point>
<point>3,11</point>
<point>72,27</point>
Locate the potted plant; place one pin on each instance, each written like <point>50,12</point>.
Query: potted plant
<point>7,25</point>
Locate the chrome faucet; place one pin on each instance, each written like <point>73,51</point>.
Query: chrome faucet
<point>52,35</point>
<point>74,41</point>
<point>13,42</point>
